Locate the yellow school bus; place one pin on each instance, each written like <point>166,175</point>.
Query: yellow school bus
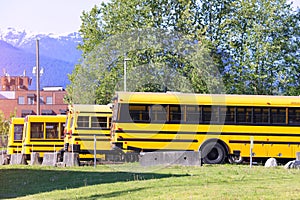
<point>89,128</point>
<point>15,135</point>
<point>221,127</point>
<point>43,133</point>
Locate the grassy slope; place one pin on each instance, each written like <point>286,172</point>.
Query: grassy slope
<point>131,181</point>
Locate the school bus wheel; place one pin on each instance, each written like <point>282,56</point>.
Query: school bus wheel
<point>213,153</point>
<point>235,159</point>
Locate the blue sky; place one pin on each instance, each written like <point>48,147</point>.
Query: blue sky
<point>296,3</point>
<point>48,16</point>
<point>44,16</point>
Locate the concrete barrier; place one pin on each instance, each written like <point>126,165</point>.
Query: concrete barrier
<point>297,155</point>
<point>271,162</point>
<point>17,159</point>
<point>35,158</point>
<point>186,158</point>
<point>3,159</point>
<point>50,159</point>
<point>71,159</point>
<point>294,164</point>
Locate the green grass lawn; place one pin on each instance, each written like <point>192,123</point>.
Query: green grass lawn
<point>131,181</point>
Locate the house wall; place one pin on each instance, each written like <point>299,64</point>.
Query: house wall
<point>15,98</point>
<point>8,106</point>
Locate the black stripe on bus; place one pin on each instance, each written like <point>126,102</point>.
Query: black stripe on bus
<point>261,142</point>
<point>209,133</point>
<point>90,134</point>
<point>42,145</point>
<point>154,140</point>
<point>17,141</point>
<point>156,150</point>
<point>261,134</point>
<point>96,128</point>
<point>44,151</point>
<point>92,139</point>
<point>209,123</point>
<point>91,151</point>
<point>14,146</point>
<point>46,140</point>
<point>138,149</point>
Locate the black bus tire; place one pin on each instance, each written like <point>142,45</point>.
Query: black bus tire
<point>213,153</point>
<point>233,159</point>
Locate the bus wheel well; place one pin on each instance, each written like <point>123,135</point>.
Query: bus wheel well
<point>214,151</point>
<point>215,140</point>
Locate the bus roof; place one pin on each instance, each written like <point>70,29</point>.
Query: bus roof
<point>207,99</point>
<point>45,118</point>
<point>90,108</point>
<point>17,120</point>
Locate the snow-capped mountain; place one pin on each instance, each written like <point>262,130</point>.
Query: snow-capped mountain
<point>61,47</point>
<point>12,36</point>
<point>58,55</point>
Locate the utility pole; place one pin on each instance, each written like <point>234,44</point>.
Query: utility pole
<point>125,70</point>
<point>37,79</point>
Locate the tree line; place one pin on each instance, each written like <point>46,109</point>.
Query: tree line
<point>4,127</point>
<point>201,46</point>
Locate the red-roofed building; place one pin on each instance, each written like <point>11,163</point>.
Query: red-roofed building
<point>16,98</point>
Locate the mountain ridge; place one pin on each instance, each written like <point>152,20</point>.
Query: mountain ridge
<point>58,54</point>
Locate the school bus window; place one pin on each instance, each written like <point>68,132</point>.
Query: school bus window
<point>62,127</point>
<point>139,112</point>
<point>230,115</point>
<point>206,113</point>
<point>266,115</point>
<point>243,115</point>
<point>52,130</point>
<point>159,113</point>
<point>261,115</point>
<point>109,122</point>
<point>18,131</point>
<point>193,114</point>
<point>37,130</point>
<point>222,113</point>
<point>83,121</point>
<point>215,113</point>
<point>72,120</point>
<point>99,122</point>
<point>175,113</point>
<point>294,115</point>
<point>124,110</point>
<point>278,115</point>
<point>210,114</point>
<point>227,114</point>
